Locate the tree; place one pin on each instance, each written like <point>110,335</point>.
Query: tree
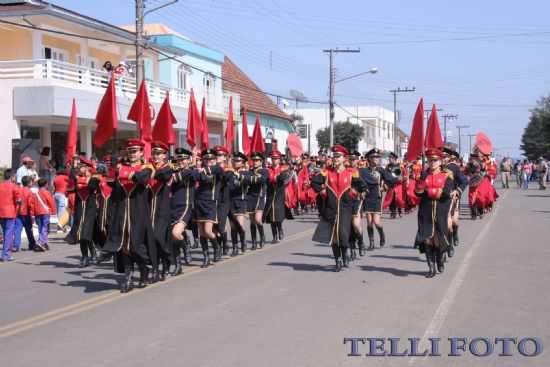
<point>345,133</point>
<point>535,141</point>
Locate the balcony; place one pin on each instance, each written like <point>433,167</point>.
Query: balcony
<point>92,80</point>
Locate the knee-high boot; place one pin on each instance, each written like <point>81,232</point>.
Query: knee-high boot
<point>205,255</point>
<point>345,257</point>
<point>360,244</point>
<point>196,238</point>
<point>143,275</point>
<point>352,245</point>
<point>127,283</point>
<point>217,249</point>
<point>242,236</point>
<point>455,234</point>
<point>186,250</point>
<point>253,234</point>
<point>224,246</point>
<point>336,253</point>
<point>429,259</point>
<point>382,235</point>
<point>84,259</point>
<point>438,254</point>
<point>234,239</point>
<point>262,234</point>
<point>274,233</point>
<point>370,231</point>
<point>280,230</point>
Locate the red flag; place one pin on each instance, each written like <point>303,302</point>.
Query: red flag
<point>193,121</point>
<point>246,137</point>
<point>229,133</point>
<point>483,143</point>
<point>106,117</point>
<point>416,142</point>
<point>72,135</point>
<point>433,132</point>
<point>204,125</point>
<point>294,144</point>
<point>163,130</point>
<point>258,144</point>
<point>140,112</point>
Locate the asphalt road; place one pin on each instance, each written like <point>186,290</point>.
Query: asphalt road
<point>284,305</point>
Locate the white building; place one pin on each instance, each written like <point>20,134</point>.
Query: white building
<point>377,123</point>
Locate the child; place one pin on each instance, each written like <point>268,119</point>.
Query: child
<point>42,206</point>
<point>24,219</point>
<point>9,200</point>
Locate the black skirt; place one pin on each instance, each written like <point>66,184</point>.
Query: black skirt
<point>372,205</point>
<point>206,211</point>
<point>356,206</point>
<point>239,206</point>
<point>255,203</point>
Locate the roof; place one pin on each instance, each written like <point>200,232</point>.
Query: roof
<point>155,30</point>
<point>251,95</point>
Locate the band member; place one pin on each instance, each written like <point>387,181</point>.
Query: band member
<point>206,201</point>
<point>476,199</point>
<point>304,186</point>
<point>256,198</point>
<point>184,179</point>
<point>274,213</point>
<point>160,191</point>
<point>434,188</point>
<point>395,197</point>
<point>376,178</point>
<point>338,187</point>
<point>238,180</point>
<point>450,161</point>
<point>104,208</point>
<point>130,231</point>
<point>357,233</point>
<point>224,201</point>
<point>84,229</point>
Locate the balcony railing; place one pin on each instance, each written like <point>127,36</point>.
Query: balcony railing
<point>77,76</point>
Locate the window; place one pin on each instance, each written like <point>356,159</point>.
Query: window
<point>209,85</point>
<point>51,53</point>
<point>183,75</point>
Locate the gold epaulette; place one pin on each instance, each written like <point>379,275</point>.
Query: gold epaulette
<point>323,172</point>
<point>449,173</point>
<point>355,174</point>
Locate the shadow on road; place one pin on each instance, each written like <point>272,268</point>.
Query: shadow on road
<point>412,258</point>
<point>407,247</point>
<point>393,271</point>
<point>302,266</point>
<point>325,256</point>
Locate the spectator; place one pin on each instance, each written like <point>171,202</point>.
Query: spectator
<point>505,172</point>
<point>543,172</point>
<point>26,169</point>
<point>9,201</point>
<point>60,184</point>
<point>24,219</point>
<point>42,206</point>
<point>44,166</point>
<point>525,174</point>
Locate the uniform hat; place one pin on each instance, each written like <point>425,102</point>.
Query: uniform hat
<point>275,154</point>
<point>355,155</point>
<point>373,153</point>
<point>451,152</point>
<point>239,155</point>
<point>159,146</point>
<point>208,153</point>
<point>393,155</point>
<point>257,155</point>
<point>181,153</point>
<point>432,152</point>
<point>220,149</point>
<point>134,143</point>
<point>339,149</point>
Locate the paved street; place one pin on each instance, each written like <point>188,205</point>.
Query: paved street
<point>284,305</point>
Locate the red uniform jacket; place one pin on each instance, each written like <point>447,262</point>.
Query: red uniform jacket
<point>47,206</point>
<point>26,195</point>
<point>9,199</point>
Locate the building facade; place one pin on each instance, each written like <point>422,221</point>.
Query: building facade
<point>377,123</point>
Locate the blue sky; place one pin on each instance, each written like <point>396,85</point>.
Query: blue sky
<point>487,61</point>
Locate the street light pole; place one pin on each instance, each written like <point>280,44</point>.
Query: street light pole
<point>395,130</point>
<point>332,72</point>
<point>446,117</point>
<point>470,136</point>
<point>460,127</point>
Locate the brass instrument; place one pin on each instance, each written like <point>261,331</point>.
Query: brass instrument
<point>397,172</point>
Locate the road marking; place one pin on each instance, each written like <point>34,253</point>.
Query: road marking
<point>448,299</point>
<point>76,308</point>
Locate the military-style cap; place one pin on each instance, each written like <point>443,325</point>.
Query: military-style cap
<point>275,154</point>
<point>339,149</point>
<point>220,149</point>
<point>239,156</point>
<point>433,153</point>
<point>208,154</point>
<point>158,145</point>
<point>257,156</point>
<point>181,153</point>
<point>134,144</point>
<point>393,155</point>
<point>373,153</point>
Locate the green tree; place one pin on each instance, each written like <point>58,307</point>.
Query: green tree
<point>535,141</point>
<point>345,133</point>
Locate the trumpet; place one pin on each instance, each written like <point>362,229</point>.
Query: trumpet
<point>397,172</point>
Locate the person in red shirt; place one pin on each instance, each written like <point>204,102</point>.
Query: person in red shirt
<point>60,184</point>
<point>9,201</point>
<point>42,206</point>
<point>24,219</point>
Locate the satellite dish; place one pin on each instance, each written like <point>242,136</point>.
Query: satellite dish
<point>297,95</point>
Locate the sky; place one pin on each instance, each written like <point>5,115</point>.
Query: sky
<point>486,61</point>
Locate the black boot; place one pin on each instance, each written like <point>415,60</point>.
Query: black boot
<point>196,239</point>
<point>93,254</point>
<point>370,231</point>
<point>382,236</point>
<point>451,250</point>
<point>455,235</point>
<point>360,244</point>
<point>217,250</point>
<point>262,234</point>
<point>431,263</point>
<point>280,230</point>
<point>205,255</point>
<point>345,257</point>
<point>274,233</point>
<point>438,254</point>
<point>336,253</point>
<point>165,269</point>
<point>127,283</point>
<point>234,240</point>
<point>242,236</point>
<point>143,275</point>
<point>224,246</point>
<point>253,235</point>
<point>178,268</point>
<point>155,274</point>
<point>84,259</point>
<point>186,251</point>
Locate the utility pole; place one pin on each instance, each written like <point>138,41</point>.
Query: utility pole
<point>395,129</point>
<point>332,79</point>
<point>460,127</point>
<point>140,9</point>
<point>449,117</point>
<point>470,136</point>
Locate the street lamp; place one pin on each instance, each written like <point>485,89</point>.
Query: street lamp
<point>370,71</point>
